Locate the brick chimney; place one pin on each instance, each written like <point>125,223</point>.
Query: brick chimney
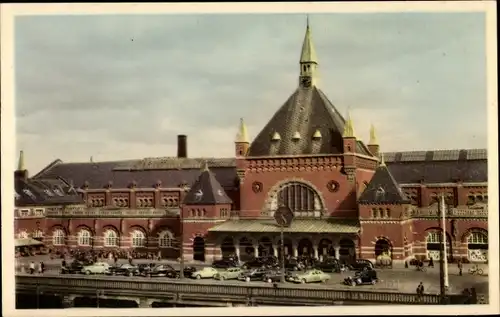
<point>182,146</point>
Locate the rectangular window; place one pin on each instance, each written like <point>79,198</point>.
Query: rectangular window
<point>39,212</point>
<point>24,212</point>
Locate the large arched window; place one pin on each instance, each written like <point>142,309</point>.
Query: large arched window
<point>433,244</point>
<point>477,238</point>
<point>477,246</point>
<point>166,239</point>
<point>110,238</point>
<point>84,237</point>
<point>38,234</point>
<point>303,200</point>
<point>23,234</point>
<point>138,239</point>
<point>58,238</point>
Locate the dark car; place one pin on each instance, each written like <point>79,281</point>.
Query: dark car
<point>188,271</point>
<point>361,278</point>
<point>292,264</point>
<point>74,268</point>
<point>360,265</point>
<point>329,265</point>
<point>161,270</point>
<point>275,276</point>
<point>253,275</point>
<point>254,263</point>
<point>145,267</point>
<point>124,269</point>
<point>224,264</point>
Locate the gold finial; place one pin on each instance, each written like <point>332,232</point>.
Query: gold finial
<point>382,160</point>
<point>373,136</point>
<point>242,136</point>
<point>348,127</point>
<point>308,54</point>
<point>20,165</point>
<point>205,166</point>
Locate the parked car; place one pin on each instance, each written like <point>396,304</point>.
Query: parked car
<point>145,267</point>
<point>360,265</point>
<point>330,265</point>
<point>161,270</point>
<point>188,271</point>
<point>124,269</point>
<point>254,263</point>
<point>253,275</point>
<point>360,278</point>
<point>96,268</point>
<point>224,263</point>
<point>74,267</point>
<point>275,276</point>
<point>292,264</point>
<point>310,276</point>
<point>206,272</point>
<point>229,274</point>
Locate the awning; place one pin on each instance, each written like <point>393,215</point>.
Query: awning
<point>27,242</point>
<point>298,225</point>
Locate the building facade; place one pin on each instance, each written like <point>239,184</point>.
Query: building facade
<point>348,198</point>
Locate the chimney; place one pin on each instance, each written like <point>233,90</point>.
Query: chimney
<point>182,146</point>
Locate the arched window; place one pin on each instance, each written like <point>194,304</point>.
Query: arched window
<point>138,239</point>
<point>58,238</point>
<point>84,237</point>
<point>110,238</point>
<point>38,234</point>
<point>23,235</point>
<point>303,200</point>
<point>477,238</point>
<point>166,239</point>
<point>434,237</point>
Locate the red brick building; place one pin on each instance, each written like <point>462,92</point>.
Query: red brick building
<point>348,199</point>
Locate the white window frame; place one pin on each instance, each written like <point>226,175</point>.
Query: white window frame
<point>166,239</point>
<point>84,237</point>
<point>23,234</point>
<point>24,212</point>
<point>110,238</point>
<point>37,233</point>
<point>59,237</point>
<point>138,239</point>
<point>477,237</point>
<point>39,211</point>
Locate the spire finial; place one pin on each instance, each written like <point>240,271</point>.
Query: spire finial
<point>242,136</point>
<point>308,54</point>
<point>307,20</point>
<point>373,135</point>
<point>20,165</point>
<point>348,127</point>
<point>205,166</point>
<point>382,160</point>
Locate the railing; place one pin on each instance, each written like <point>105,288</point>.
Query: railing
<point>153,289</point>
<point>434,212</point>
<point>111,213</point>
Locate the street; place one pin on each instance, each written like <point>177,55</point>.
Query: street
<point>397,279</point>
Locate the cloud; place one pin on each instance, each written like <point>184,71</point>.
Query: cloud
<point>118,87</point>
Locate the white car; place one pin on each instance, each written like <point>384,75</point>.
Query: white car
<point>96,268</point>
<point>206,272</point>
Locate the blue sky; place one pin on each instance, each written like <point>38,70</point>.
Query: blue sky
<point>123,86</point>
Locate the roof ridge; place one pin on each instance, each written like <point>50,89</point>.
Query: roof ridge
<point>47,168</point>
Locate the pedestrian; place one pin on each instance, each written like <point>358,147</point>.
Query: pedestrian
<point>42,266</point>
<point>431,262</point>
<point>32,267</point>
<point>459,264</point>
<point>63,263</point>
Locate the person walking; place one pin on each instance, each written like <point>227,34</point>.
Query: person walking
<point>460,267</point>
<point>32,267</point>
<point>431,262</point>
<point>420,290</point>
<point>42,266</point>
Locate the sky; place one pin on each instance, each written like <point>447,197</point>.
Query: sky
<point>123,86</point>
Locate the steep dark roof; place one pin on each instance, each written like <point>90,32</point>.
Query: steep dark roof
<point>305,111</point>
<point>382,189</point>
<point>45,192</point>
<point>123,173</point>
<point>206,191</point>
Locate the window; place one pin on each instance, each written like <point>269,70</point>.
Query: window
<point>388,213</point>
<point>38,234</point>
<point>471,199</point>
<point>110,238</point>
<point>166,239</point>
<point>24,212</point>
<point>434,237</point>
<point>39,212</point>
<point>477,238</point>
<point>303,200</point>
<point>84,237</point>
<point>138,239</point>
<point>23,235</point>
<point>58,238</point>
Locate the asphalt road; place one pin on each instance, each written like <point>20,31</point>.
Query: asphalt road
<point>403,280</point>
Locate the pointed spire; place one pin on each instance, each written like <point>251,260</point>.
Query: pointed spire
<point>242,136</point>
<point>382,160</point>
<point>20,165</point>
<point>373,136</point>
<point>308,52</point>
<point>348,127</point>
<point>205,166</point>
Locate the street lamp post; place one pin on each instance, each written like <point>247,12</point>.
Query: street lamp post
<point>443,263</point>
<point>181,243</point>
<point>282,255</point>
<point>283,216</point>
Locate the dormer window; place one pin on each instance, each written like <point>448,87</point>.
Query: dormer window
<point>58,192</point>
<point>48,192</point>
<point>380,193</point>
<point>317,135</point>
<point>29,193</point>
<point>296,136</point>
<point>276,137</point>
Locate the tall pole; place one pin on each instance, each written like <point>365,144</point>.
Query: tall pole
<point>445,243</point>
<point>282,256</point>
<point>181,218</point>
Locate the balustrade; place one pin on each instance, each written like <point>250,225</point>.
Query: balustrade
<point>152,288</point>
<point>451,212</point>
<point>110,213</point>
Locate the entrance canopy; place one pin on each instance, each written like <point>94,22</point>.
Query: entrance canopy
<point>27,242</point>
<point>299,225</point>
